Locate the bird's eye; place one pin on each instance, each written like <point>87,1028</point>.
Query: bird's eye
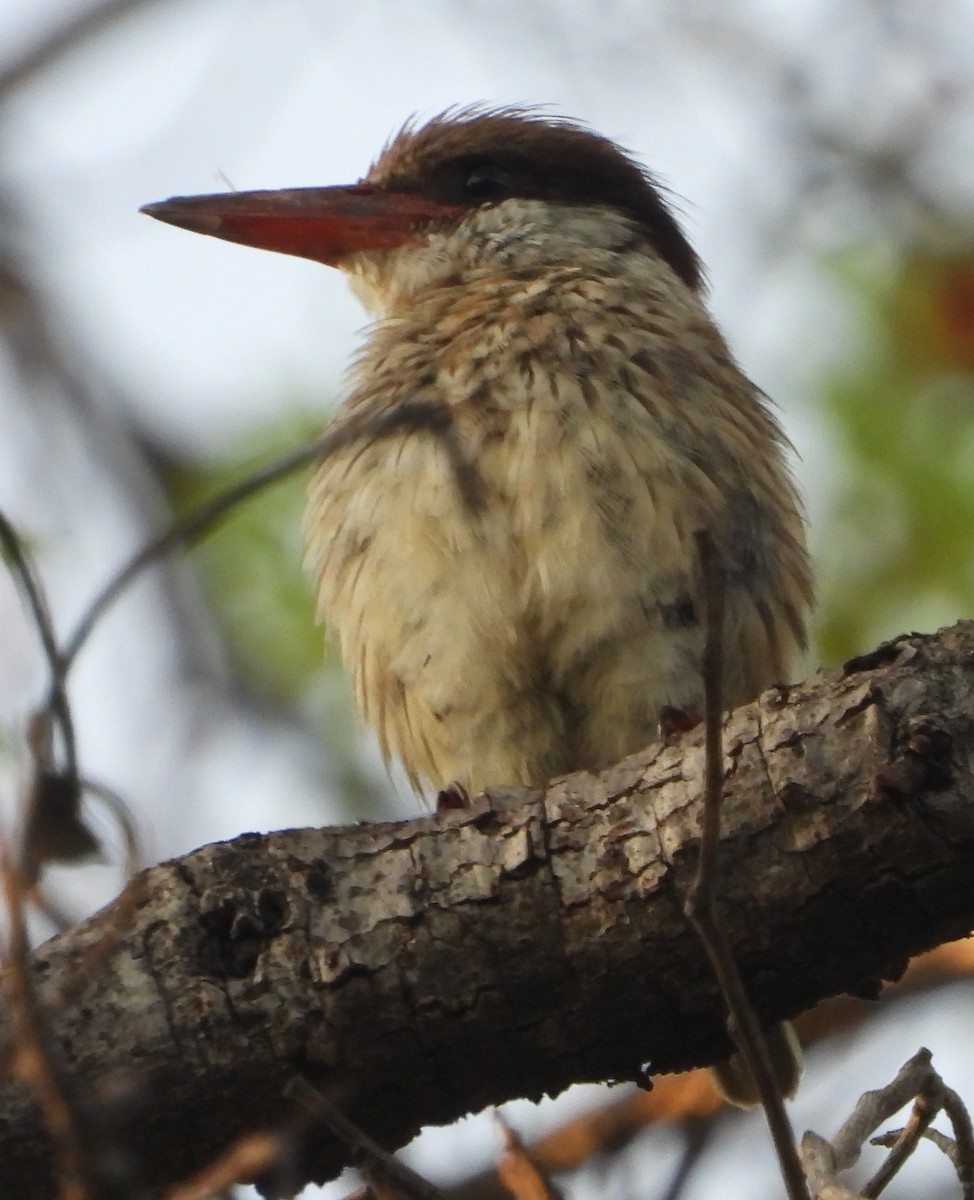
<point>486,183</point>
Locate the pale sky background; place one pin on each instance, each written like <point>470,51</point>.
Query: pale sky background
<point>743,108</point>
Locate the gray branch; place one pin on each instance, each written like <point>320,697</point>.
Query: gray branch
<point>413,972</point>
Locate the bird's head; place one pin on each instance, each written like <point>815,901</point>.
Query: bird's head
<point>473,188</point>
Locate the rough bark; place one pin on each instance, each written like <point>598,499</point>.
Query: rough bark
<point>417,971</point>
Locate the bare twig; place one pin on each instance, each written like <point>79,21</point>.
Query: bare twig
<point>26,575</point>
<point>120,811</point>
<point>924,1110</point>
<point>697,1135</point>
<point>379,1168</point>
<point>917,1080</point>
<point>960,1119</point>
<point>947,1145</point>
<point>51,824</point>
<point>71,33</point>
<point>704,887</point>
<point>518,1172</point>
<point>701,908</point>
<point>940,1140</point>
<point>52,827</point>
<point>32,1058</point>
<point>417,417</point>
<point>879,1105</point>
<point>243,1162</point>
<point>180,533</point>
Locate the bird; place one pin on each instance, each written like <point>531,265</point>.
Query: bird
<point>541,422</point>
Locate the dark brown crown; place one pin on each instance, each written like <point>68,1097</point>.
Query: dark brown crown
<point>479,156</point>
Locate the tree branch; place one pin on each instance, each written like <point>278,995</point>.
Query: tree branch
<point>416,971</point>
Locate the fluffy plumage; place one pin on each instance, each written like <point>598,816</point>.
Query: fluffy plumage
<point>557,334</point>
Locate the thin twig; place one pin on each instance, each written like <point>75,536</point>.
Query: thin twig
<point>698,1135</point>
<point>890,1137</point>
<point>917,1080</point>
<point>518,1172</point>
<point>704,886</point>
<point>52,827</point>
<point>377,1165</point>
<point>960,1119</point>
<point>415,417</point>
<point>701,908</point>
<point>925,1108</point>
<point>248,1157</point>
<point>181,532</point>
<point>120,811</point>
<point>71,33</point>
<point>945,1144</point>
<point>879,1105</point>
<point>32,1056</point>
<point>26,575</point>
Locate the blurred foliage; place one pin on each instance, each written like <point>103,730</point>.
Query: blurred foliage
<point>251,566</point>
<point>899,548</point>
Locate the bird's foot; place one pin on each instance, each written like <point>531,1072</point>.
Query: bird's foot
<point>452,798</point>
<point>678,720</point>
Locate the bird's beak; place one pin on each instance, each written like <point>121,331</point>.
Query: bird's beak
<point>323,224</point>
